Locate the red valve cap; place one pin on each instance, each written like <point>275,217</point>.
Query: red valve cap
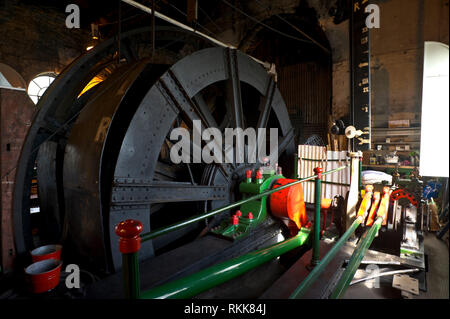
<point>234,220</point>
<point>248,173</point>
<point>129,228</point>
<point>238,213</point>
<point>318,171</point>
<point>128,231</point>
<point>250,215</point>
<point>259,174</point>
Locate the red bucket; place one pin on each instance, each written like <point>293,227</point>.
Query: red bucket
<point>46,252</point>
<point>44,275</point>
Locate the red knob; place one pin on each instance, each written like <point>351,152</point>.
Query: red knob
<point>248,173</point>
<point>238,213</point>
<point>318,171</point>
<point>234,220</point>
<point>259,174</point>
<point>250,215</point>
<point>129,231</point>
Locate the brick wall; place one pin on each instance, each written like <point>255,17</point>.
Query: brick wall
<point>396,57</point>
<point>16,114</point>
<point>35,39</point>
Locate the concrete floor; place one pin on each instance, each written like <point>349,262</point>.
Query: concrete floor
<point>438,271</point>
<point>436,276</point>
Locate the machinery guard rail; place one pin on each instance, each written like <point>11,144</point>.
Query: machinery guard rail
<point>359,251</point>
<point>170,228</point>
<point>130,240</point>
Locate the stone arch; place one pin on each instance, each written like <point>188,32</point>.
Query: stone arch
<point>10,77</point>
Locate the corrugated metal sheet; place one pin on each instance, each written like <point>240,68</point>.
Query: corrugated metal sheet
<point>310,157</point>
<point>306,90</point>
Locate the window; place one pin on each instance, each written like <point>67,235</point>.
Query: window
<point>434,143</point>
<point>38,85</point>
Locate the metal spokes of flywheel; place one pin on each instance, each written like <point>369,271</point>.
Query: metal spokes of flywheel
<point>181,94</point>
<point>112,145</point>
<point>61,105</point>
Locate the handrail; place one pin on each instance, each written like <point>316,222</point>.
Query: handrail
<point>176,226</point>
<point>315,258</point>
<point>363,246</point>
<point>314,274</point>
<point>356,259</point>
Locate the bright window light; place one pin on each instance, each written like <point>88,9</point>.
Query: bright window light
<point>38,85</point>
<point>434,139</point>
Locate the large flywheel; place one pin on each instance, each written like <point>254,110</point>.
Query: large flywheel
<point>60,106</point>
<point>180,93</point>
<point>115,160</point>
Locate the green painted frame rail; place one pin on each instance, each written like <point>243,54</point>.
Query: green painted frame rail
<point>356,259</point>
<point>205,279</point>
<point>130,240</point>
<point>129,245</point>
<point>317,201</point>
<point>315,273</point>
<point>367,239</point>
<point>173,227</point>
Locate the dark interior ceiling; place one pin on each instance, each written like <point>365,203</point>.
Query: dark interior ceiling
<point>106,14</point>
<point>107,11</point>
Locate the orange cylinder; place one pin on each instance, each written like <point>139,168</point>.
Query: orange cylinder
<point>288,203</point>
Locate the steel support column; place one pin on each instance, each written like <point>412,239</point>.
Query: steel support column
<point>318,196</point>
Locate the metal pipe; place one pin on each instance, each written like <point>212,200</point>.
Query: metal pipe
<point>131,275</point>
<point>356,259</point>
<point>175,22</point>
<point>318,196</point>
<point>365,204</point>
<point>377,262</point>
<point>335,183</point>
<point>360,185</point>
<point>315,273</point>
<point>157,14</point>
<point>129,245</point>
<point>205,279</point>
<point>173,227</point>
<point>296,166</point>
<point>381,274</point>
<point>331,171</point>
